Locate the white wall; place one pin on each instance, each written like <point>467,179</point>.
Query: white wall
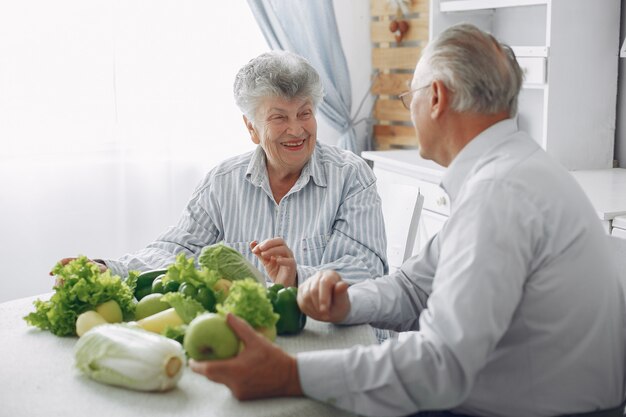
<point>97,164</point>
<point>620,133</point>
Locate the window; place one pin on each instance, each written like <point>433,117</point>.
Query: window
<point>110,114</point>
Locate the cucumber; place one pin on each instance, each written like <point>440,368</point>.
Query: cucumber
<point>144,282</point>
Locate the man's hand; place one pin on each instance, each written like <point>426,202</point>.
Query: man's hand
<point>278,260</point>
<point>261,370</point>
<point>324,297</point>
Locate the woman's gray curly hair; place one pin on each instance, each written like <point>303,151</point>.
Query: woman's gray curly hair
<point>276,74</point>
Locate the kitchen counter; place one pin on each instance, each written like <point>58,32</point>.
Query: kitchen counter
<point>38,378</point>
<point>606,188</point>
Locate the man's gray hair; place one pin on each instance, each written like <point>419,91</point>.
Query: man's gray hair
<point>276,74</point>
<point>482,73</point>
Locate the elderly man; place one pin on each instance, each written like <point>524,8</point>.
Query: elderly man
<point>293,205</point>
<point>515,308</point>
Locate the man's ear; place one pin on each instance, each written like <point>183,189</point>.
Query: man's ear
<point>439,99</point>
<point>251,130</point>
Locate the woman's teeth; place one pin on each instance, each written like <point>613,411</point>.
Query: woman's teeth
<point>293,144</point>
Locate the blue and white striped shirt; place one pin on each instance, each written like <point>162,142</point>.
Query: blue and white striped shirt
<point>330,219</point>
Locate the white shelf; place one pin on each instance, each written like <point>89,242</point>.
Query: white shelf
<point>556,52</point>
<point>467,5</point>
<point>534,86</point>
<point>531,51</point>
<point>606,188</point>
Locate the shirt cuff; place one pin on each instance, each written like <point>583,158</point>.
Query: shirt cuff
<point>117,268</point>
<point>322,375</point>
<point>304,273</point>
<point>362,304</point>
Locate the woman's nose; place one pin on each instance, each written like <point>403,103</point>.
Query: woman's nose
<point>295,128</point>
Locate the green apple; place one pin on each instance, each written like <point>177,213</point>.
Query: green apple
<point>209,337</point>
<point>149,305</point>
<point>110,311</point>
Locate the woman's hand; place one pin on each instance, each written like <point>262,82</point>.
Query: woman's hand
<point>324,297</point>
<point>261,370</point>
<point>65,261</point>
<point>278,261</point>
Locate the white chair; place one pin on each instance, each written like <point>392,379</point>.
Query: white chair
<point>401,223</point>
<point>402,220</point>
<point>413,225</point>
<point>618,246</point>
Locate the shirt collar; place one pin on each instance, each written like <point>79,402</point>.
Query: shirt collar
<point>257,170</point>
<point>313,169</point>
<point>462,164</point>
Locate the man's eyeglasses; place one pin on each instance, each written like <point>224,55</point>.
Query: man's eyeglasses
<point>407,96</point>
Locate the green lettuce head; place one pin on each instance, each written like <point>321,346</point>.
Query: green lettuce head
<point>228,263</point>
<point>83,288</point>
<point>248,299</point>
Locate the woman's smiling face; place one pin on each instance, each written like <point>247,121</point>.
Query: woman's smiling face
<point>286,129</point>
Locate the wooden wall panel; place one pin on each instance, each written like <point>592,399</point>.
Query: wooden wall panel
<point>395,58</point>
<point>393,63</point>
<point>391,111</point>
<point>418,30</point>
<point>390,137</point>
<point>384,8</point>
<point>391,84</point>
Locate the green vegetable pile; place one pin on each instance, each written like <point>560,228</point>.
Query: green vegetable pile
<point>83,287</point>
<point>169,299</point>
<point>201,290</point>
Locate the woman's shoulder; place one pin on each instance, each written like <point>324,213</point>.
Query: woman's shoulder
<point>333,157</point>
<point>234,163</point>
<point>232,168</point>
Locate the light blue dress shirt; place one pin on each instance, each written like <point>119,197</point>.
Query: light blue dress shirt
<point>517,301</point>
<point>330,219</point>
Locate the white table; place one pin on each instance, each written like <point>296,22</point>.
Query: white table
<point>38,378</point>
<point>606,188</point>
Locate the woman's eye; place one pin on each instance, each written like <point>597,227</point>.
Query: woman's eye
<point>306,114</point>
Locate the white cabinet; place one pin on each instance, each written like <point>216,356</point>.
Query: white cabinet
<point>400,174</point>
<point>606,189</point>
<point>618,227</point>
<point>567,51</point>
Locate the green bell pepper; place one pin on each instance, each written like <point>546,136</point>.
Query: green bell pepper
<point>285,304</point>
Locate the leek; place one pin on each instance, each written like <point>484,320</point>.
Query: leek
<point>132,358</point>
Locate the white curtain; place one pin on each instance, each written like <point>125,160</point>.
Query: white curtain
<point>282,24</point>
<point>111,111</point>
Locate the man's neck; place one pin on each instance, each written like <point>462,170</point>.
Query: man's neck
<point>463,128</point>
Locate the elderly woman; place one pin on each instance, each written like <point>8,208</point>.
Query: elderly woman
<point>292,206</point>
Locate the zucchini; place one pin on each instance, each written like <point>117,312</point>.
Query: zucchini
<point>144,282</point>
